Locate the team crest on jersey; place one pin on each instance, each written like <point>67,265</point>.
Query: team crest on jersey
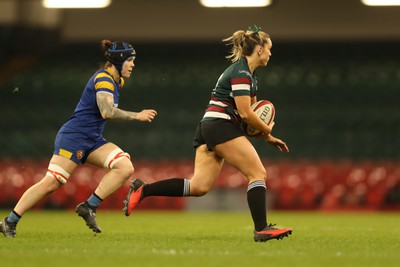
<point>79,154</point>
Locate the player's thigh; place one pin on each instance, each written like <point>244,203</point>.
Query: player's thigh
<point>206,169</point>
<point>241,154</point>
<point>101,157</point>
<point>67,164</point>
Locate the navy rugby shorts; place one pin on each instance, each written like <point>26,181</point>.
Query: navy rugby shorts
<point>76,146</point>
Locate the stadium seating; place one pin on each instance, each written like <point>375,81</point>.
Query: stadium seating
<point>294,185</point>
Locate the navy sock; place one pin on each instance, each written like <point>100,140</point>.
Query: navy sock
<point>174,187</point>
<point>256,199</point>
<point>13,217</point>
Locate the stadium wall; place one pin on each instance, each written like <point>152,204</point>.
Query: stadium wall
<point>333,100</point>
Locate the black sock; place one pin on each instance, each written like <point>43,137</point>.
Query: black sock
<point>174,187</point>
<point>256,199</point>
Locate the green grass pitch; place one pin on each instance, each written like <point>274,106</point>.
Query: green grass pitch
<point>194,239</point>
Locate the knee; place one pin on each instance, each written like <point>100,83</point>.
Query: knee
<point>126,170</point>
<point>119,161</point>
<point>260,175</point>
<point>264,174</point>
<point>48,186</point>
<point>199,191</point>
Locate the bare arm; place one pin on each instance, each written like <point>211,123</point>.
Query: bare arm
<point>243,104</point>
<point>253,100</point>
<point>278,143</point>
<point>105,102</point>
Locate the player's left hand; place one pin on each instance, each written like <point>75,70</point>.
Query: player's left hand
<point>147,115</point>
<point>277,142</point>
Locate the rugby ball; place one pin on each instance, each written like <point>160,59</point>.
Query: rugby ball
<point>265,110</point>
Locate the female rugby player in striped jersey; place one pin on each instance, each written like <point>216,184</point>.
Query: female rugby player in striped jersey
<point>219,136</point>
<point>80,139</point>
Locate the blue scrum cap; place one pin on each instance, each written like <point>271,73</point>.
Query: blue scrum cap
<point>119,52</point>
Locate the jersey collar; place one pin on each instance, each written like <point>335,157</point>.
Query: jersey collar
<point>110,71</point>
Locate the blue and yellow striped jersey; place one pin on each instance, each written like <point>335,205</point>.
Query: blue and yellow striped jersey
<point>87,118</point>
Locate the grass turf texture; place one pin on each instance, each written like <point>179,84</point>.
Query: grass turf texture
<point>202,239</point>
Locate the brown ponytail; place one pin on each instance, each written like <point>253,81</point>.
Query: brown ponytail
<point>104,46</point>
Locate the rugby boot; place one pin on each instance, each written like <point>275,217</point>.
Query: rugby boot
<point>89,215</point>
<point>134,196</point>
<point>8,229</point>
<point>270,232</point>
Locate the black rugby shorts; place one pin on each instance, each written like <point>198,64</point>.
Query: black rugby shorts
<point>215,132</point>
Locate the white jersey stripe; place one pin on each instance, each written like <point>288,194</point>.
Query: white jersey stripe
<point>240,87</point>
<point>104,92</point>
<point>217,103</point>
<point>213,114</point>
